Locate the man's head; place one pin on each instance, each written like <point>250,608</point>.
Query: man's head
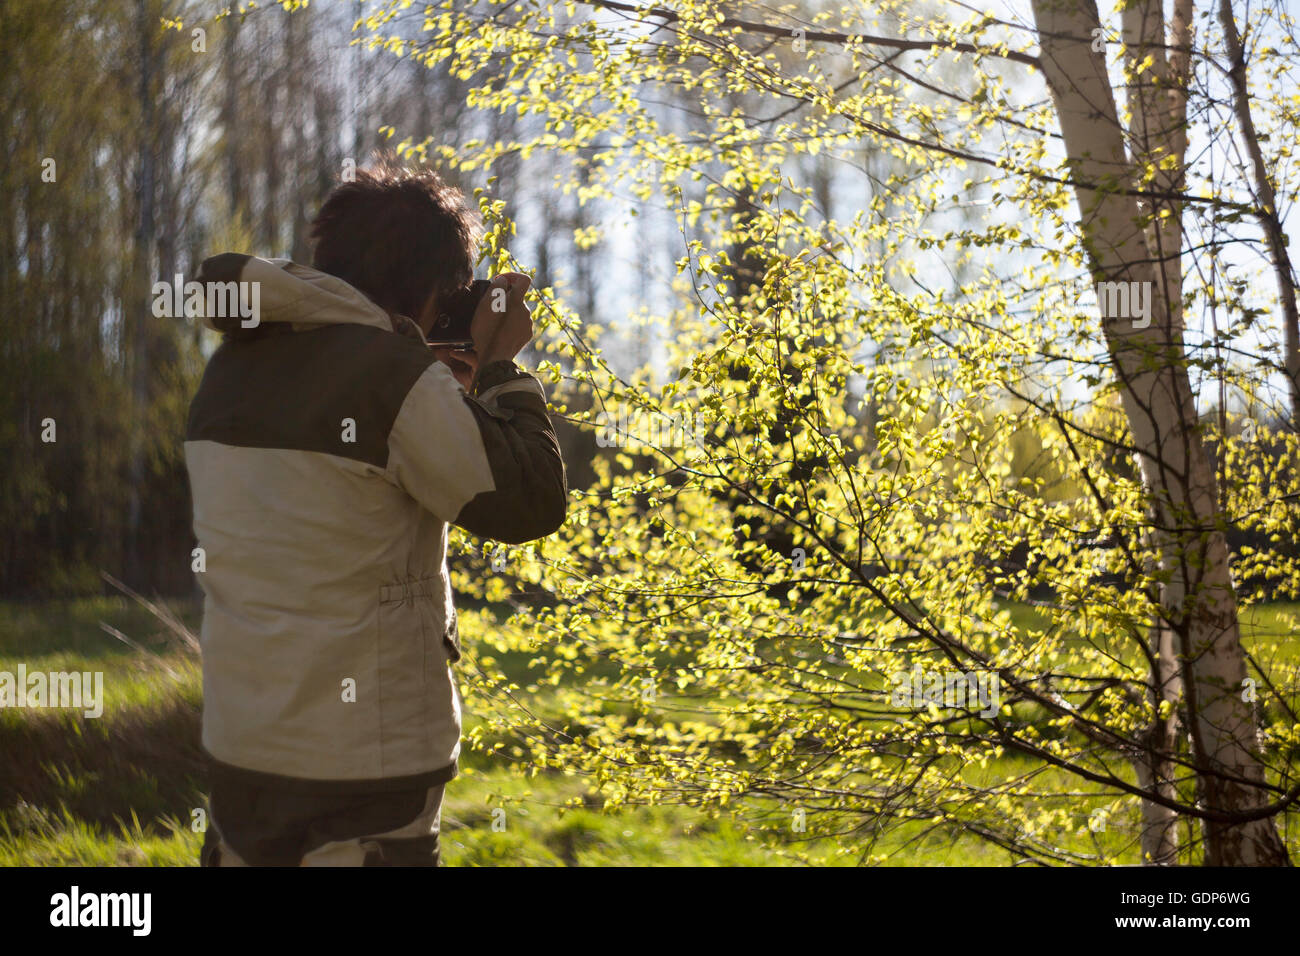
<point>398,235</point>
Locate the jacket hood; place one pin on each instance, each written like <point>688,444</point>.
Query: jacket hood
<point>282,291</point>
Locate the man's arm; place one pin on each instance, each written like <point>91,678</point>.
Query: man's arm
<point>507,481</point>
<point>530,494</point>
<point>489,462</point>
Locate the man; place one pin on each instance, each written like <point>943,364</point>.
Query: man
<point>328,449</point>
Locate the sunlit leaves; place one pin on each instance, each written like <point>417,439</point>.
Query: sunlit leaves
<point>915,395</point>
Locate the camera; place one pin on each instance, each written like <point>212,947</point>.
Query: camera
<point>455,314</point>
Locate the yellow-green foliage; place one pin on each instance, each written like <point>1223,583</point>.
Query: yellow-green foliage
<point>917,397</point>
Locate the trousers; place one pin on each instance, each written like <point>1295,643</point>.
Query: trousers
<point>253,826</point>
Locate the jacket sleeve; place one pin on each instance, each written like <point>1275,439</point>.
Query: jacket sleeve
<point>489,462</point>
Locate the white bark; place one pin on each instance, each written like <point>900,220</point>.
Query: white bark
<point>1157,102</point>
<point>1198,601</point>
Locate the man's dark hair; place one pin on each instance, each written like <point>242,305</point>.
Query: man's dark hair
<point>398,235</point>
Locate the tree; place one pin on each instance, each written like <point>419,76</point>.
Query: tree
<point>94,202</point>
<point>1139,238</point>
<point>929,545</point>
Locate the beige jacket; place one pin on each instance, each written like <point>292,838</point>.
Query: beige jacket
<point>327,454</point>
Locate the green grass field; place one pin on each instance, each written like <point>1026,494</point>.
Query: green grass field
<point>123,790</point>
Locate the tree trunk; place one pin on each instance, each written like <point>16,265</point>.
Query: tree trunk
<point>1157,100</point>
<point>1197,597</point>
<point>146,25</point>
<point>231,61</point>
<point>1266,207</point>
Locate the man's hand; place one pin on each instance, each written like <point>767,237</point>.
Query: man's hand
<point>462,362</point>
<point>503,324</point>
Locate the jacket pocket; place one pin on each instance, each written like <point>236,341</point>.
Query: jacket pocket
<point>406,663</point>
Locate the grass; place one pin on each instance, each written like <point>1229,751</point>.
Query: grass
<point>125,790</point>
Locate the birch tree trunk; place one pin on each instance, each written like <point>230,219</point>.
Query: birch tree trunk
<point>1197,601</point>
<point>1157,100</point>
<point>1266,206</point>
